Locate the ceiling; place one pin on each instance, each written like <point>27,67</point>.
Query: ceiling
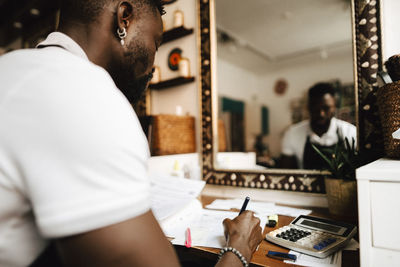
<point>258,34</point>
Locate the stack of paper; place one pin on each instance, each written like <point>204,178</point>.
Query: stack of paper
<point>333,260</point>
<point>170,194</point>
<point>263,208</point>
<point>205,226</point>
<point>175,206</point>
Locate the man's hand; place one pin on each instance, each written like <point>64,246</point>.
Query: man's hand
<point>244,234</point>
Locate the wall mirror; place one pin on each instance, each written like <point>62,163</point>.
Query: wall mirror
<point>258,60</point>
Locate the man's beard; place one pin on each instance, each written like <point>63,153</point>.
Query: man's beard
<point>132,87</point>
<point>321,126</point>
<point>123,73</point>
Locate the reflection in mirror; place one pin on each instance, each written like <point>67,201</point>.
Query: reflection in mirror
<point>269,54</point>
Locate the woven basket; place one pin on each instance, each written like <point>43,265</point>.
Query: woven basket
<point>172,134</point>
<point>342,197</point>
<point>389,111</point>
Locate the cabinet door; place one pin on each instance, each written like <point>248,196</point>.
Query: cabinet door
<point>385,210</point>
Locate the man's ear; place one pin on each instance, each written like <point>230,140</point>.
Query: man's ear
<point>124,14</point>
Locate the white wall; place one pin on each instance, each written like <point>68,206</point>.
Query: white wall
<point>237,83</point>
<point>390,28</point>
<point>164,101</point>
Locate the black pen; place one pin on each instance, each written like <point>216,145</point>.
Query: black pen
<point>246,201</point>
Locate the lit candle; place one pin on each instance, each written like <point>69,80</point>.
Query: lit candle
<point>156,75</point>
<point>178,110</point>
<point>184,67</point>
<point>178,18</point>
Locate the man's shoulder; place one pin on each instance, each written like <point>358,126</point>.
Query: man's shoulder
<point>52,63</point>
<point>296,132</point>
<point>344,124</point>
<point>53,73</point>
<point>300,126</point>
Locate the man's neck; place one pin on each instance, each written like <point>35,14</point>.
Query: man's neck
<point>92,39</point>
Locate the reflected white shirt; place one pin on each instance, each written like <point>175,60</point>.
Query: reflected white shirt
<point>295,137</point>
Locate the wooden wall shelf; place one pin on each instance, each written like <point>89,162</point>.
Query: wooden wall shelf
<point>172,82</point>
<point>175,33</point>
<point>169,2</point>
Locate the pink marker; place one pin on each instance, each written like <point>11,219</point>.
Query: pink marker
<point>188,241</point>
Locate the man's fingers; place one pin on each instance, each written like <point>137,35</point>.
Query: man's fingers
<point>247,213</point>
<point>250,216</point>
<point>227,222</point>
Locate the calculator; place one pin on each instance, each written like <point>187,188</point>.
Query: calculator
<point>313,236</point>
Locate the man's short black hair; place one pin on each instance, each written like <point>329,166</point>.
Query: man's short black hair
<point>88,10</point>
<point>319,90</point>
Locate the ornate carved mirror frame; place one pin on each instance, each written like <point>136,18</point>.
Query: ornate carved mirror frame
<point>367,61</point>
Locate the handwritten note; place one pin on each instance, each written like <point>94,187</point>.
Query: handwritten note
<point>206,227</point>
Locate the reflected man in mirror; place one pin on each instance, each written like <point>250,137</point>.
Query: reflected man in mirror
<point>322,130</point>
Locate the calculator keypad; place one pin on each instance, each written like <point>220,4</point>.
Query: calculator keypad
<point>293,234</point>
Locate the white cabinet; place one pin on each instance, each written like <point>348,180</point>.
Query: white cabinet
<point>378,186</point>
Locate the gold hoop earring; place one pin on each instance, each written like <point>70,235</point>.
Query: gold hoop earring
<point>122,35</point>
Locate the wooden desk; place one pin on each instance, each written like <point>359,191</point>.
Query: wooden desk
<point>202,256</point>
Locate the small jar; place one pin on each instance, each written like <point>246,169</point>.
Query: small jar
<point>178,19</point>
<point>156,75</point>
<point>184,67</point>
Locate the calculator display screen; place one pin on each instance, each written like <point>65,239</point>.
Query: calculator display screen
<point>323,226</point>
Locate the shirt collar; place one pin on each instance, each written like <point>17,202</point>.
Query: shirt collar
<point>61,39</point>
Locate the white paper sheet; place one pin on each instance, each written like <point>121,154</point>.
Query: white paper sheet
<point>259,207</point>
<point>334,260</point>
<point>206,228</point>
<point>179,220</point>
<point>171,194</point>
<point>226,204</point>
<point>352,245</point>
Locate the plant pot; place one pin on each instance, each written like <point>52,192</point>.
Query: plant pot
<point>342,197</point>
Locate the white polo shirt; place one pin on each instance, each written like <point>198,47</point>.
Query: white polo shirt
<point>72,152</point>
<point>295,137</point>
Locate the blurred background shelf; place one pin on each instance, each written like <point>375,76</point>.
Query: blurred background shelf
<point>171,82</point>
<point>169,2</point>
<point>175,33</point>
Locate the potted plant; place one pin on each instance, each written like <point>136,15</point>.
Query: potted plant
<point>341,186</point>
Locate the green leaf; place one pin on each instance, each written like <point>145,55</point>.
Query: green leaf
<point>345,158</point>
<point>329,162</point>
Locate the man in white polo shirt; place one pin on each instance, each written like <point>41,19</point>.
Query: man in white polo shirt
<point>323,131</point>
<point>72,152</point>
